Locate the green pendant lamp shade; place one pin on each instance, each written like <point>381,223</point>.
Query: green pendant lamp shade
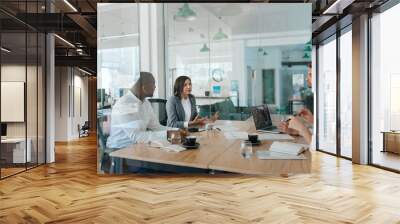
<point>205,48</point>
<point>185,13</point>
<point>220,35</point>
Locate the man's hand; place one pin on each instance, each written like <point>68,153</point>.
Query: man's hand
<point>306,115</point>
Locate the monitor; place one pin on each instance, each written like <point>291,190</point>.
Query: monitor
<point>3,129</point>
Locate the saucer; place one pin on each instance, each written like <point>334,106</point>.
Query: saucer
<point>258,142</point>
<point>191,146</point>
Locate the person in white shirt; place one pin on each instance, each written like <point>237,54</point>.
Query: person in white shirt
<point>181,107</point>
<point>132,117</point>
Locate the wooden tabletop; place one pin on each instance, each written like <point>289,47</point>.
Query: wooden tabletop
<point>218,153</point>
<point>212,144</point>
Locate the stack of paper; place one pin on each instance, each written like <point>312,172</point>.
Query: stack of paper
<point>277,155</point>
<point>283,150</point>
<point>236,135</point>
<point>288,148</point>
<point>273,137</point>
<point>228,128</point>
<point>167,146</point>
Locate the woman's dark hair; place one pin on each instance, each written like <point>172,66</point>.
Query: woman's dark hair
<point>179,84</point>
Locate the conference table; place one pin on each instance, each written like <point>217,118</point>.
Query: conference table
<point>217,152</point>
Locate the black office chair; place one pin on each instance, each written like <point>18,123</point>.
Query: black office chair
<point>105,162</point>
<point>160,108</point>
<point>84,129</point>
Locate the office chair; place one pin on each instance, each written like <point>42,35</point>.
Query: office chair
<point>106,163</point>
<point>160,108</point>
<point>84,129</point>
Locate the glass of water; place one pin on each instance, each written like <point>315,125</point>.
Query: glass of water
<point>246,149</point>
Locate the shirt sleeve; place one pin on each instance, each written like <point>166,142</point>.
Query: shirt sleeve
<point>186,124</point>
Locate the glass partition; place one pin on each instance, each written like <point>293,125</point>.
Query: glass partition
<point>22,92</point>
<point>385,89</point>
<point>13,84</point>
<point>117,65</point>
<point>327,96</point>
<point>235,56</point>
<point>346,93</point>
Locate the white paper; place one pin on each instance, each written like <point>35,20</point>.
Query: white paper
<point>276,155</point>
<point>226,127</point>
<point>236,135</point>
<point>272,137</point>
<point>167,146</point>
<point>288,148</point>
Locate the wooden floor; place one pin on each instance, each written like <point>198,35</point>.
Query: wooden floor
<point>387,159</point>
<point>70,191</point>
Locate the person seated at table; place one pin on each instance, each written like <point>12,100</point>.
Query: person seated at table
<point>132,117</point>
<point>181,107</point>
<point>297,126</point>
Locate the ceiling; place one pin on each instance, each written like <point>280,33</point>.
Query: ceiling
<point>80,27</point>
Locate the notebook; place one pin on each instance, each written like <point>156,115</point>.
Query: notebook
<point>288,148</point>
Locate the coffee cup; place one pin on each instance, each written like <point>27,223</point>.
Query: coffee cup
<point>191,140</point>
<point>253,138</point>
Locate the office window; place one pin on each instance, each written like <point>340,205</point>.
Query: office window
<point>346,93</point>
<point>237,59</point>
<point>327,96</point>
<point>385,84</point>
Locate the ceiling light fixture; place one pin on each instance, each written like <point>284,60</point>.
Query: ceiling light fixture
<point>205,48</point>
<point>70,5</point>
<point>84,71</point>
<point>185,13</point>
<point>5,50</point>
<point>64,40</point>
<point>220,35</point>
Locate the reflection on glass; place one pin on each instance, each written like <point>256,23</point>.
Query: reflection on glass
<point>385,86</point>
<point>249,61</point>
<point>327,97</point>
<point>118,64</point>
<point>14,150</point>
<point>346,94</point>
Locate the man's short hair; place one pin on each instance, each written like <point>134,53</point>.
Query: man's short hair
<point>145,78</point>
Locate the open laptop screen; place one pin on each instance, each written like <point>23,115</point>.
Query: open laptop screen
<point>261,116</point>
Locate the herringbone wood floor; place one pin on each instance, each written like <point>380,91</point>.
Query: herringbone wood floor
<point>70,191</point>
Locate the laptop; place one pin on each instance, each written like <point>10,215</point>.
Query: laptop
<point>262,119</point>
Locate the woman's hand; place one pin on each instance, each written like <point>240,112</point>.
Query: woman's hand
<point>214,117</point>
<point>306,115</point>
<point>197,121</point>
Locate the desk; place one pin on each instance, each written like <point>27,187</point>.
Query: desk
<point>13,150</point>
<point>391,141</point>
<point>218,153</point>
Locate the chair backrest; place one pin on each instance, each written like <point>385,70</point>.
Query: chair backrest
<point>160,108</point>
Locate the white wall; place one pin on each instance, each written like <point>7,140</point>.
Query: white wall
<point>67,115</point>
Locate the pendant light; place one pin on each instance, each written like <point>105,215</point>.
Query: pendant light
<point>204,48</point>
<point>185,13</point>
<point>220,35</point>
